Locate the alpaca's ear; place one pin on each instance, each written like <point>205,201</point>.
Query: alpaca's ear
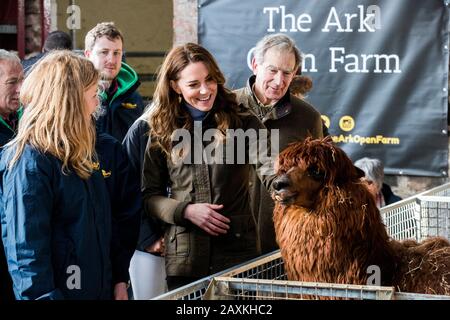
<point>360,174</point>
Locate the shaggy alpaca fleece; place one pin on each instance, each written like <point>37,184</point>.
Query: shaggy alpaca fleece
<point>329,228</point>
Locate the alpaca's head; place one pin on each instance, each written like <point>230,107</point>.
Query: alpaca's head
<point>305,168</point>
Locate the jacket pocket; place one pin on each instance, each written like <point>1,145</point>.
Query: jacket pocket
<point>63,257</point>
<point>178,241</point>
<point>241,237</point>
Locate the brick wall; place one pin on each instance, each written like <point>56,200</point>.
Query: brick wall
<point>185,21</point>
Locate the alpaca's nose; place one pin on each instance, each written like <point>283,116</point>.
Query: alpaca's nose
<point>281,182</point>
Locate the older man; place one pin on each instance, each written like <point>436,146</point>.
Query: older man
<point>122,103</point>
<point>56,40</point>
<point>275,63</point>
<point>11,77</point>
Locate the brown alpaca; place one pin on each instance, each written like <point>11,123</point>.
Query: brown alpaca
<point>329,228</point>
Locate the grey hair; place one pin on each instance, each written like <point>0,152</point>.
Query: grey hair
<point>373,169</point>
<point>279,41</point>
<point>8,56</point>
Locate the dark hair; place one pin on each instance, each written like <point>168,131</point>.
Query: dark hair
<point>167,113</point>
<point>300,85</point>
<point>58,40</point>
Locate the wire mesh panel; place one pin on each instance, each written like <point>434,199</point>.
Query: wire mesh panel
<point>400,220</point>
<point>427,214</point>
<point>434,216</point>
<point>443,190</point>
<point>264,279</point>
<point>269,266</point>
<point>421,216</point>
<point>193,291</point>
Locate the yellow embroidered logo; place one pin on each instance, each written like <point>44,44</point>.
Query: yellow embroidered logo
<point>95,165</point>
<point>128,105</point>
<point>106,174</point>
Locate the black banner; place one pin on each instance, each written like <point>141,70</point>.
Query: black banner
<point>379,69</point>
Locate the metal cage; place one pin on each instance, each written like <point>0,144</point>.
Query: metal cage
<point>418,217</point>
<point>424,215</point>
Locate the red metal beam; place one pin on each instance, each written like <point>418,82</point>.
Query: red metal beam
<point>21,28</point>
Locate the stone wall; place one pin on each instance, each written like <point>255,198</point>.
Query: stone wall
<point>406,186</point>
<point>185,21</point>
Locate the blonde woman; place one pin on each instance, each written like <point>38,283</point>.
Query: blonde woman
<point>55,211</point>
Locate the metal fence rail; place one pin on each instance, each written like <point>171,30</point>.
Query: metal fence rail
<point>192,291</point>
<point>196,290</point>
<point>256,289</point>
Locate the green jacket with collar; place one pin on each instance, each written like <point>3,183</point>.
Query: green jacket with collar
<point>6,132</point>
<point>296,119</point>
<point>190,251</point>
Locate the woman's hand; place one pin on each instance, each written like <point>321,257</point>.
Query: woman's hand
<point>204,216</point>
<point>120,291</point>
<point>156,247</point>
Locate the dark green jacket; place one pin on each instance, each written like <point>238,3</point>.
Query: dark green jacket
<point>6,132</point>
<point>189,250</point>
<point>296,119</point>
<point>124,107</point>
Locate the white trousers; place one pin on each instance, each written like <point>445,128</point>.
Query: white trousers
<point>147,275</point>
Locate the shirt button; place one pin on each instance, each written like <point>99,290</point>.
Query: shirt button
<point>238,235</point>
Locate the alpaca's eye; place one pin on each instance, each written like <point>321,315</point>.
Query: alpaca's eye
<point>315,173</point>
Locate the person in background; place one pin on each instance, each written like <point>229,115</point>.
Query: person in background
<point>56,40</point>
<point>208,213</point>
<point>126,205</point>
<point>11,78</point>
<point>135,143</point>
<point>374,176</point>
<point>300,86</point>
<point>57,227</point>
<point>275,63</point>
<point>122,104</point>
<point>151,240</point>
